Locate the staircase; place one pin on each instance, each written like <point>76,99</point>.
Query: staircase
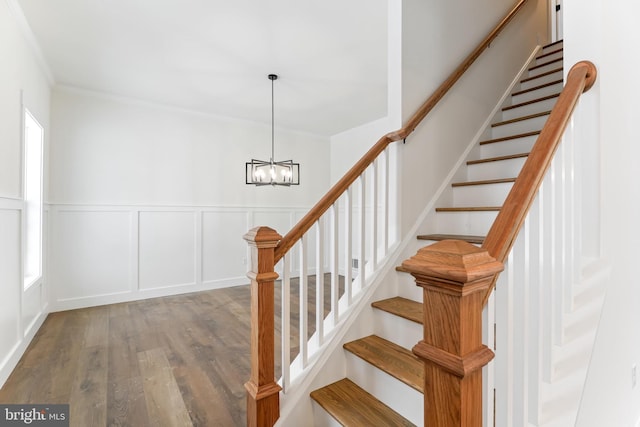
<point>384,379</point>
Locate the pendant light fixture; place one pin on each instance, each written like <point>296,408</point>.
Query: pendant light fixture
<point>260,172</point>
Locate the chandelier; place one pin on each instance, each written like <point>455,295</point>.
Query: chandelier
<point>260,172</point>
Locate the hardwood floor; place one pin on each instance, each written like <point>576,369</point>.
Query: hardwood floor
<point>173,361</point>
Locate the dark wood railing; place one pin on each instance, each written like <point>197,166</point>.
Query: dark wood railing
<point>458,277</point>
<point>262,389</point>
<point>349,178</point>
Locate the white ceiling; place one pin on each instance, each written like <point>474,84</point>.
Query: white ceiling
<point>213,56</point>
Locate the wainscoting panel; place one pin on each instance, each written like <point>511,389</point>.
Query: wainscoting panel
<point>224,251</point>
<point>167,248</point>
<point>91,253</point>
<point>10,282</point>
<point>103,254</point>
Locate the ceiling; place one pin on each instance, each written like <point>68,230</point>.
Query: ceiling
<point>213,56</point>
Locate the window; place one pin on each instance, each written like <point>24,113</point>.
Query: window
<point>33,183</point>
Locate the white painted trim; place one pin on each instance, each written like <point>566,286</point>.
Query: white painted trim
<point>11,361</point>
<point>141,294</point>
<point>153,207</point>
<point>133,291</point>
<point>11,204</point>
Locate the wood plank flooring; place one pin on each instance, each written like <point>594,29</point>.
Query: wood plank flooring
<point>174,361</point>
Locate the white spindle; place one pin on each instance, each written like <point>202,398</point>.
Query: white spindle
<point>335,263</point>
<point>285,310</point>
<point>374,215</point>
<point>385,201</point>
<point>348,244</point>
<point>320,281</point>
<point>363,229</point>
<point>304,309</point>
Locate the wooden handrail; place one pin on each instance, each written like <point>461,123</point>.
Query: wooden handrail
<point>457,279</point>
<point>509,221</point>
<point>350,177</point>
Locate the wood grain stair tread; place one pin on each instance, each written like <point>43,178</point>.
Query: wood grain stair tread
<point>510,137</point>
<point>464,237</point>
<point>520,119</point>
<point>553,52</point>
<point>402,307</point>
<point>541,75</point>
<point>470,209</point>
<point>533,101</point>
<point>352,406</point>
<point>391,358</point>
<point>484,182</point>
<point>497,159</point>
<point>552,44</point>
<point>544,64</point>
<point>553,83</point>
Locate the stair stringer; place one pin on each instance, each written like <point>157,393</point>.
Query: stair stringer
<point>330,365</point>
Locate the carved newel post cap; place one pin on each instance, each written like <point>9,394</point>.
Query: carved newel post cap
<point>263,237</point>
<point>453,260</point>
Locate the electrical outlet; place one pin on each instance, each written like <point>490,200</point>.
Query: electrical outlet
<point>634,376</point>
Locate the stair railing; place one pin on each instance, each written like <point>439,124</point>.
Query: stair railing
<point>457,279</point>
<point>354,216</point>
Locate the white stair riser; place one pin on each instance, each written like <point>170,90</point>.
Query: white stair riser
<point>495,170</point>
<point>519,127</point>
<point>481,195</point>
<point>551,65</point>
<point>526,110</point>
<point>398,396</point>
<point>541,80</point>
<point>321,418</point>
<point>553,47</point>
<point>407,287</point>
<point>535,94</point>
<point>556,55</point>
<point>387,326</point>
<point>506,148</point>
<point>474,223</point>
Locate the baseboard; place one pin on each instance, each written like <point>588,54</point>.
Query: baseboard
<point>128,296</point>
<point>11,361</point>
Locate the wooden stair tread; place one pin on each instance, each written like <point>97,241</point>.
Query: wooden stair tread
<point>402,307</point>
<point>470,209</point>
<point>350,405</point>
<point>390,358</point>
<point>535,67</point>
<point>497,159</point>
<point>520,119</point>
<point>553,43</point>
<point>510,137</point>
<point>541,75</point>
<point>464,237</point>
<point>533,101</point>
<point>553,52</point>
<point>553,83</point>
<point>484,182</point>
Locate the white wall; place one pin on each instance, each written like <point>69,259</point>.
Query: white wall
<point>608,36</point>
<point>149,201</point>
<point>23,83</point>
<point>437,36</point>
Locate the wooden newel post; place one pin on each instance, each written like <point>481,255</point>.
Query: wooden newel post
<point>263,393</point>
<point>455,276</point>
